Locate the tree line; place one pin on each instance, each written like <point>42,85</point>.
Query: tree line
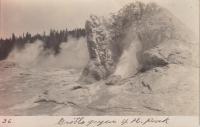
<point>51,41</point>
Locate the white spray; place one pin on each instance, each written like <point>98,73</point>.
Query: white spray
<point>128,63</point>
<point>73,54</point>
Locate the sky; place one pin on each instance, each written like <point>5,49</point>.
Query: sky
<point>37,16</point>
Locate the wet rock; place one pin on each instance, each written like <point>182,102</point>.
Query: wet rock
<point>170,52</point>
<point>113,80</point>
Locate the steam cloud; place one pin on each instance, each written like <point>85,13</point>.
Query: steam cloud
<point>73,54</point>
<point>128,63</point>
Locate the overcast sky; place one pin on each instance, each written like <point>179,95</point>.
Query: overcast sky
<point>36,16</point>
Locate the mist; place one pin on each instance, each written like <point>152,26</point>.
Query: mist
<point>128,64</point>
<point>73,54</point>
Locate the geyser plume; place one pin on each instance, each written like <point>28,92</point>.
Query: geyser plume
<point>128,64</point>
<point>29,55</point>
<point>73,54</point>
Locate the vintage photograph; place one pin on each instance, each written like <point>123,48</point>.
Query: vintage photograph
<point>99,57</point>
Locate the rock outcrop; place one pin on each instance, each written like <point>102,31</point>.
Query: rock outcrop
<point>167,57</point>
<point>149,25</point>
<point>101,63</point>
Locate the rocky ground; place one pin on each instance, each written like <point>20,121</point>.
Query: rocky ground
<point>21,86</point>
<point>170,90</point>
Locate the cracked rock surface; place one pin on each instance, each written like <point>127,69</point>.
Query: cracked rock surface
<point>156,92</point>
